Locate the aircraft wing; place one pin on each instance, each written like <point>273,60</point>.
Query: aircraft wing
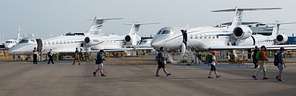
<point>120,49</point>
<point>63,50</point>
<point>268,47</point>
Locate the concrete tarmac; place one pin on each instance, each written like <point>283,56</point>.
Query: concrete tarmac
<point>65,79</point>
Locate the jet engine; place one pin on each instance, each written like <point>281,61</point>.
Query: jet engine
<point>242,32</point>
<point>90,42</point>
<point>131,40</point>
<point>127,38</point>
<point>281,38</point>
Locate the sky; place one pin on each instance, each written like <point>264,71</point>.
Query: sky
<point>46,18</point>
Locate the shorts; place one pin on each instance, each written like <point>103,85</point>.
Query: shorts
<point>161,65</point>
<point>280,67</point>
<point>100,66</point>
<point>213,68</point>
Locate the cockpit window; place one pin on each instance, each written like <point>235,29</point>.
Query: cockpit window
<point>9,42</point>
<point>24,41</point>
<point>164,32</point>
<point>159,31</point>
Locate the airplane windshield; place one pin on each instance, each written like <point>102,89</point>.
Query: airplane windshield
<point>9,42</point>
<point>159,31</point>
<point>24,41</point>
<point>164,32</point>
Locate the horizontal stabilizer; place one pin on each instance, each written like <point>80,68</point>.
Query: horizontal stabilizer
<point>138,23</point>
<point>245,9</point>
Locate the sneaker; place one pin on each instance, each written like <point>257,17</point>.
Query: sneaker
<point>218,76</point>
<point>265,78</point>
<point>210,77</point>
<point>169,74</point>
<point>103,75</point>
<point>157,75</point>
<point>94,73</point>
<point>254,77</point>
<point>281,80</point>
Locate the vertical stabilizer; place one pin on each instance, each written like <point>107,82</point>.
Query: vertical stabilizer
<point>275,30</point>
<point>237,20</point>
<point>134,31</point>
<point>18,34</point>
<point>96,26</point>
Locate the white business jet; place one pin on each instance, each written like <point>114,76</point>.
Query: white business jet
<point>63,44</point>
<point>13,41</point>
<point>209,38</point>
<point>116,42</point>
<point>258,39</point>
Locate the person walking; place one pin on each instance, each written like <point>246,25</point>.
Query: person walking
<point>255,61</point>
<point>281,64</point>
<point>261,61</point>
<point>35,55</point>
<point>99,62</point>
<point>50,56</point>
<point>161,60</point>
<point>76,56</point>
<point>213,62</point>
<point>80,54</point>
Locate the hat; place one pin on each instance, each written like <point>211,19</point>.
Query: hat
<point>213,52</point>
<point>282,48</point>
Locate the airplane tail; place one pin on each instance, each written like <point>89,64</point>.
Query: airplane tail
<point>275,30</point>
<point>18,34</point>
<point>237,20</point>
<point>134,30</point>
<point>96,26</point>
<point>136,26</point>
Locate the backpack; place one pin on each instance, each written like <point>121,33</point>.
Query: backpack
<point>276,60</point>
<point>210,60</point>
<point>258,55</point>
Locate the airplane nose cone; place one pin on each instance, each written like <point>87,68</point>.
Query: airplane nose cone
<point>156,44</point>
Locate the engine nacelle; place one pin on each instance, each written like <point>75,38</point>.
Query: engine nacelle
<point>128,39</point>
<point>281,38</point>
<point>242,32</point>
<point>90,42</point>
<point>131,40</point>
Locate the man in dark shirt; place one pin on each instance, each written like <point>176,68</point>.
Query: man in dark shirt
<point>255,61</point>
<point>161,62</point>
<point>50,55</point>
<point>76,56</point>
<point>99,62</point>
<point>184,33</point>
<point>35,55</point>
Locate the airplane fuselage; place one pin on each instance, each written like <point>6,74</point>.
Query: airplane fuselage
<point>197,38</point>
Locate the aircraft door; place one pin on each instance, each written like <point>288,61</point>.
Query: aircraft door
<point>39,45</point>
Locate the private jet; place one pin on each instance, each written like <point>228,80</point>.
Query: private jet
<point>13,41</point>
<point>212,38</point>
